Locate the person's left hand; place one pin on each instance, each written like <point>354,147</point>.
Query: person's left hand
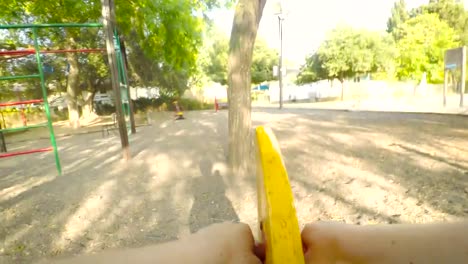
<point>226,243</point>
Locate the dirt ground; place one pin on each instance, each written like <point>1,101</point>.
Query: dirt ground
<point>355,167</point>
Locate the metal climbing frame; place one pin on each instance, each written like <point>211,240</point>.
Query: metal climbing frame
<point>41,77</point>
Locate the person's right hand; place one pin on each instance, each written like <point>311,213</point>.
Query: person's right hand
<point>385,244</point>
<point>327,243</point>
<point>320,243</point>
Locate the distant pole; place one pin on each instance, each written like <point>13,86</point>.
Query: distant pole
<point>463,75</point>
<point>446,72</point>
<point>3,147</point>
<point>108,25</point>
<point>280,63</point>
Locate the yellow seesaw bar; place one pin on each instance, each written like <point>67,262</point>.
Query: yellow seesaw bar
<point>278,222</point>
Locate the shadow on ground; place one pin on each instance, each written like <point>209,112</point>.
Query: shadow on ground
<point>355,167</point>
<point>174,185</point>
<point>364,167</point>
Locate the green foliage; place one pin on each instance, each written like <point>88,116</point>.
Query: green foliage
<point>264,58</point>
<point>167,32</point>
<point>335,53</point>
<point>214,57</point>
<point>312,71</point>
<point>450,11</point>
<point>162,37</point>
<point>420,39</point>
<point>192,104</point>
<point>104,109</point>
<point>399,16</point>
<point>348,53</point>
<point>166,103</point>
<point>423,42</point>
<point>384,52</point>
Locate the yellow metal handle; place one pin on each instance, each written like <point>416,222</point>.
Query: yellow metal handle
<point>277,215</point>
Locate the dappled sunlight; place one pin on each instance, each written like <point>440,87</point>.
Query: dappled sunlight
<point>360,157</point>
<point>159,167</point>
<point>74,164</point>
<point>111,159</point>
<point>94,206</point>
<point>431,157</point>
<point>13,191</point>
<point>308,204</point>
<point>358,176</point>
<point>185,200</point>
<point>345,139</point>
<point>12,239</point>
<point>210,125</point>
<point>181,133</point>
<point>221,167</point>
<point>354,167</point>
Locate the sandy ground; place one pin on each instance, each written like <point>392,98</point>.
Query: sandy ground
<point>355,167</point>
<point>408,104</point>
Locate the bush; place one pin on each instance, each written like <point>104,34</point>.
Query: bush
<point>164,103</point>
<point>192,104</point>
<point>161,103</point>
<point>104,109</point>
<point>59,115</point>
<point>142,104</point>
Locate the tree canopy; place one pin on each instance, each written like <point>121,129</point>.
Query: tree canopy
<point>214,57</point>
<point>415,45</point>
<point>450,11</point>
<point>348,53</point>
<point>423,42</point>
<point>399,14</point>
<point>162,39</point>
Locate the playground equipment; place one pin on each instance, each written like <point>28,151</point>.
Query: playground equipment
<point>122,79</point>
<point>2,137</point>
<point>278,223</point>
<point>454,60</point>
<point>179,113</point>
<point>216,105</point>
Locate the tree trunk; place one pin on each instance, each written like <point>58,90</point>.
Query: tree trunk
<point>342,88</point>
<point>72,87</point>
<point>244,31</point>
<point>87,106</point>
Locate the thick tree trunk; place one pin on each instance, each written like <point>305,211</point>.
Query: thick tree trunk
<point>244,32</point>
<point>87,106</point>
<point>72,89</point>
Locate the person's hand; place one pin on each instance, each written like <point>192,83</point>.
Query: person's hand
<point>320,243</point>
<point>402,243</point>
<point>220,243</point>
<point>326,243</point>
<point>330,242</point>
<point>226,243</point>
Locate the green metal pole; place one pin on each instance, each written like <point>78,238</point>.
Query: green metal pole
<point>127,82</point>
<point>13,129</point>
<point>17,77</point>
<point>46,103</point>
<point>122,78</point>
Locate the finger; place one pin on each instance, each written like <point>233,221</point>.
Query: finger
<point>307,234</point>
<point>260,251</point>
<point>246,259</point>
<point>252,259</point>
<point>245,235</point>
